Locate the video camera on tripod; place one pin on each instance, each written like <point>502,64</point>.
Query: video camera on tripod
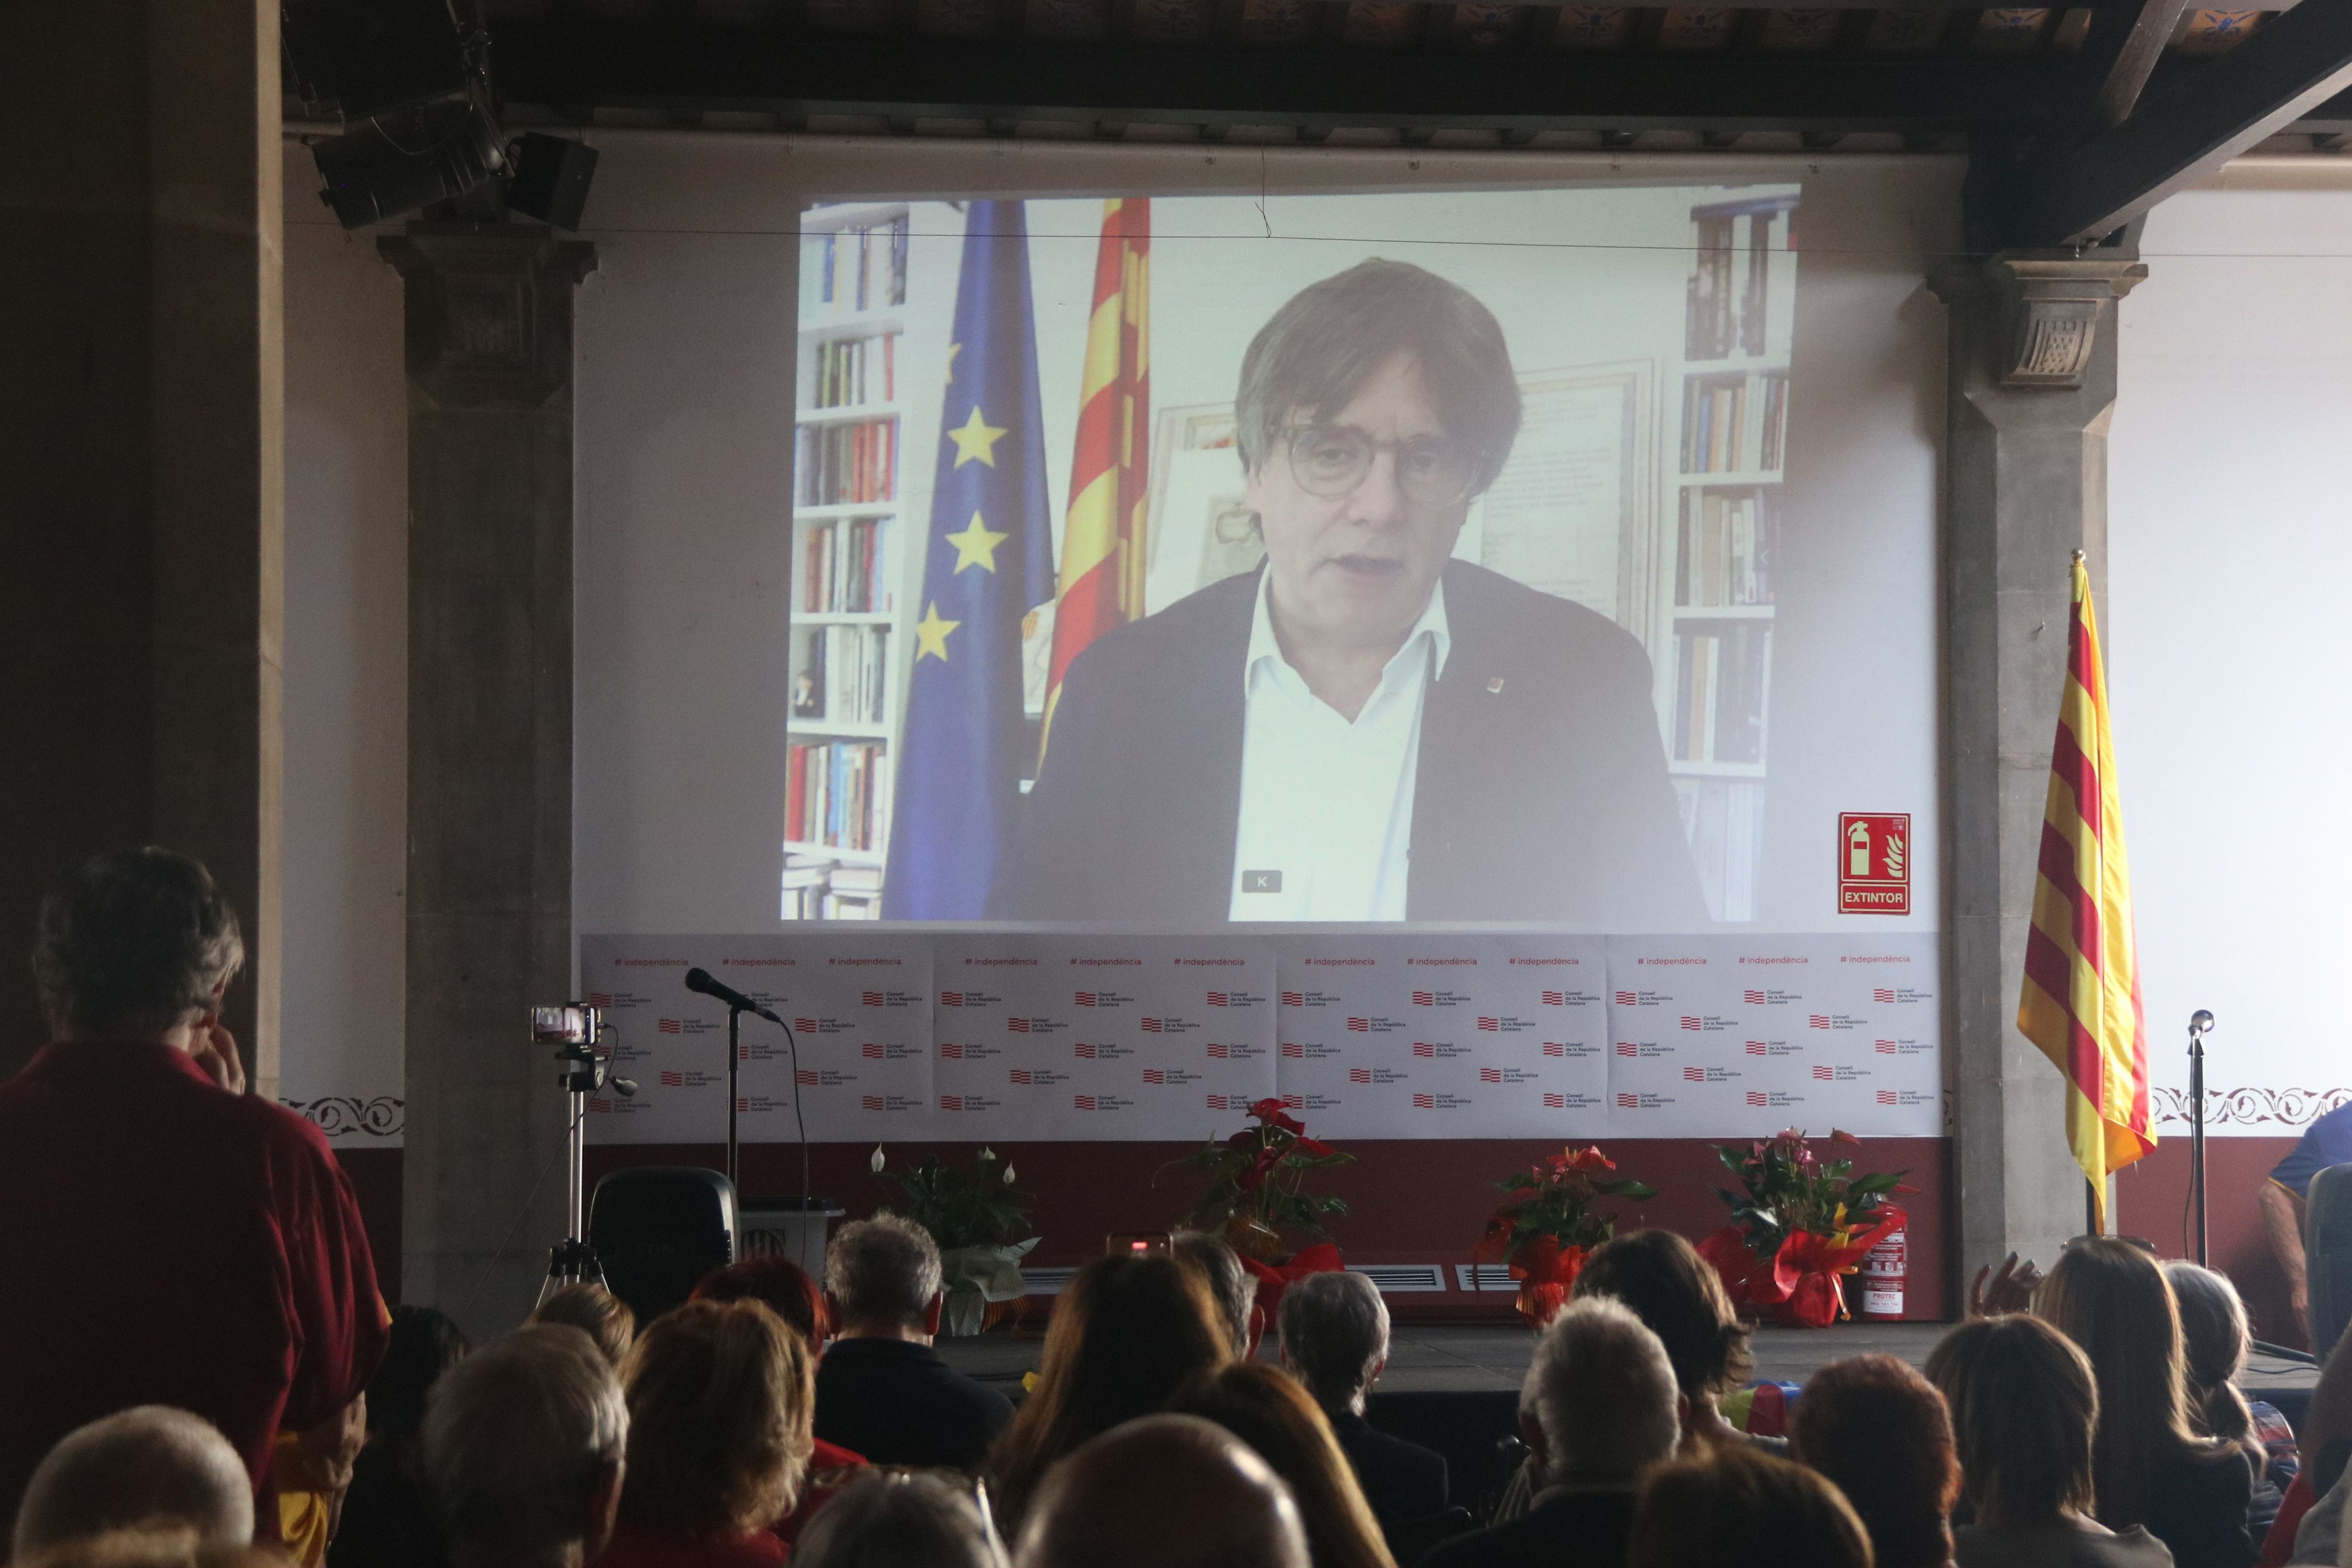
<point>573,1029</point>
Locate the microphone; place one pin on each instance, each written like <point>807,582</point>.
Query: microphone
<point>2200,1022</point>
<point>700,980</point>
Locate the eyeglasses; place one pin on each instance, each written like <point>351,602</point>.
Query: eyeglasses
<point>1329,460</point>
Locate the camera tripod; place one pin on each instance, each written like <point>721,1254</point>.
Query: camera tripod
<point>573,1261</point>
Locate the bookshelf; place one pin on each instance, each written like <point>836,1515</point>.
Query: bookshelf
<point>1725,458</point>
<point>845,689</point>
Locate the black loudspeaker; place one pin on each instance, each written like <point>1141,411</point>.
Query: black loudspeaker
<point>547,178</point>
<point>658,1230</point>
<point>2328,1254</point>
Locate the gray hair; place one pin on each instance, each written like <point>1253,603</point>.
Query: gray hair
<point>518,1437</point>
<point>150,1465</point>
<point>132,940</point>
<point>1234,1286</point>
<point>1335,1330</point>
<point>883,1519</point>
<point>1602,1390</point>
<point>882,1270</point>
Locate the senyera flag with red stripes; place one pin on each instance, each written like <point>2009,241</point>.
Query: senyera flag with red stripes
<point>2081,1001</point>
<point>1104,549</point>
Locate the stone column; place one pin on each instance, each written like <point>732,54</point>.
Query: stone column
<point>2031,388</point>
<point>488,348</point>
<point>141,468</point>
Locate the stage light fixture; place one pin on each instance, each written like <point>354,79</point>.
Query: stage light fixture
<point>547,177</point>
<point>397,163</point>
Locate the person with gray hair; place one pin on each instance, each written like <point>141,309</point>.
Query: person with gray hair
<point>131,1153</point>
<point>1600,1406</point>
<point>1335,1340</point>
<point>524,1451</point>
<point>881,1390</point>
<point>1230,1281</point>
<point>889,1519</point>
<point>146,1467</point>
<point>1164,1491</point>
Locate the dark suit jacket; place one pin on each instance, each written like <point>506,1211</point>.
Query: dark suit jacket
<point>899,1402</point>
<point>1402,1480</point>
<point>1541,792</point>
<point>1566,1529</point>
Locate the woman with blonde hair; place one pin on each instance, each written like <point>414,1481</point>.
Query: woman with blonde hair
<point>2149,1465</point>
<point>1270,1412</point>
<point>720,1396</point>
<point>2025,1413</point>
<point>1128,1331</point>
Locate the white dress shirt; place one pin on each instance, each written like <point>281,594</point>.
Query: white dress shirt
<point>1326,826</point>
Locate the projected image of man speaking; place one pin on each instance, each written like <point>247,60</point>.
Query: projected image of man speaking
<point>1364,729</point>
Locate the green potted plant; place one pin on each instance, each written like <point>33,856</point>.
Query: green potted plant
<point>1799,1224</point>
<point>981,1225</point>
<point>1257,1183</point>
<point>1547,1227</point>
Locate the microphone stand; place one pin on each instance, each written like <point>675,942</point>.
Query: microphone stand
<point>2196,1028</point>
<point>734,1055</point>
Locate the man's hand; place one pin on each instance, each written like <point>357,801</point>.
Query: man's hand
<point>214,1050</point>
<point>2008,1290</point>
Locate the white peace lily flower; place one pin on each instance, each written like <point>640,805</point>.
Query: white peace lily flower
<point>987,1153</point>
<point>877,1160</point>
<point>1008,1176</point>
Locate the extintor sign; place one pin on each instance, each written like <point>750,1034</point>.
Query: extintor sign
<point>1874,863</point>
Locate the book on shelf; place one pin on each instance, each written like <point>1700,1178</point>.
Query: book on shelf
<point>841,567</point>
<point>1720,693</point>
<point>848,464</point>
<point>858,269</point>
<point>1724,553</point>
<point>1774,435</point>
<point>838,793</point>
<point>1734,423</point>
<point>844,675</point>
<point>848,372</point>
<point>1726,309</point>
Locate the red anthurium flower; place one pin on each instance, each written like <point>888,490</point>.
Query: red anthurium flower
<point>1266,1109</point>
<point>1589,1159</point>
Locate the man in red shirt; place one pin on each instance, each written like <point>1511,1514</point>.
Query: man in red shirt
<point>166,1239</point>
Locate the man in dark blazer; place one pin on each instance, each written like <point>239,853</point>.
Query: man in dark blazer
<point>1364,728</point>
<point>1334,1332</point>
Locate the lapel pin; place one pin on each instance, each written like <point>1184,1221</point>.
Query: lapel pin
<point>1495,687</point>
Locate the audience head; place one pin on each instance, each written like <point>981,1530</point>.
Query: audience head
<point>1737,1508</point>
<point>524,1446</point>
<point>594,1311</point>
<point>133,942</point>
<point>149,1466</point>
<point>1232,1286</point>
<point>2023,1409</point>
<point>162,1547</point>
<point>783,1285</point>
<point>883,1275</point>
<point>1127,1332</point>
<point>1600,1403</point>
<point>1334,1329</point>
<point>721,1396</point>
<point>1879,1431</point>
<point>888,1519</point>
<point>1284,1427</point>
<point>2216,1340</point>
<point>1106,1505</point>
<point>1675,1291</point>
<point>2109,1297</point>
<point>424,1342</point>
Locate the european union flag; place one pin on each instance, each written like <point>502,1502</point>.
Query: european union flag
<point>988,559</point>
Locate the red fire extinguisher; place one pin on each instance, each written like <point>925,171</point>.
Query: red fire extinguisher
<point>1884,1267</point>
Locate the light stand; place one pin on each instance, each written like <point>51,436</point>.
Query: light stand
<point>572,1030</point>
<point>734,1057</point>
<point>2199,1024</point>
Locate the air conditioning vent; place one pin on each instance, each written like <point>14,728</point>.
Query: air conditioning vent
<point>1047,1281</point>
<point>1402,1279</point>
<point>1485,1276</point>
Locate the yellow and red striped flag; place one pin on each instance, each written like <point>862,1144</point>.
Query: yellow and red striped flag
<point>1103,537</point>
<point>2080,998</point>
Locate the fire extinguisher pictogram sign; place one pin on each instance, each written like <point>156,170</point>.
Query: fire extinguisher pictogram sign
<point>1874,863</point>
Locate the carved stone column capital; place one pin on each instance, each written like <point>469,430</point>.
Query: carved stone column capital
<point>489,309</point>
<point>2052,306</point>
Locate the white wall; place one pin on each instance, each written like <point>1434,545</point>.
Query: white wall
<point>2228,639</point>
<point>346,654</point>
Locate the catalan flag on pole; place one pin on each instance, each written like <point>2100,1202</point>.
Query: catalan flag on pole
<point>987,562</point>
<point>1104,552</point>
<point>2080,1000</point>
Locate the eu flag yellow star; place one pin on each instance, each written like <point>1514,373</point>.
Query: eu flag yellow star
<point>977,439</point>
<point>976,546</point>
<point>931,635</point>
